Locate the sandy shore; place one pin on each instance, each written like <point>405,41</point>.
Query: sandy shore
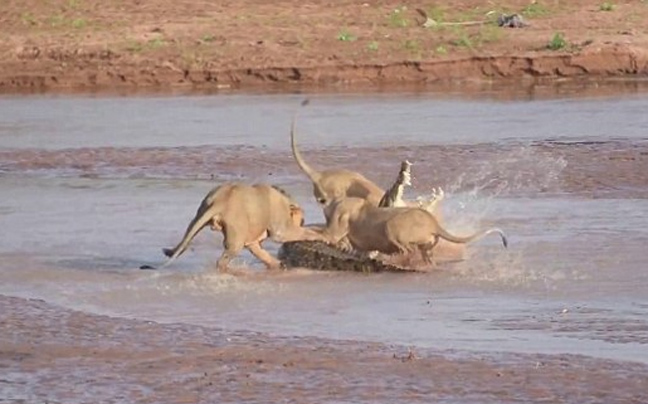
<point>90,45</point>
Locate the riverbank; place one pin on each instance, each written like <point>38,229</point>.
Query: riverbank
<point>91,45</point>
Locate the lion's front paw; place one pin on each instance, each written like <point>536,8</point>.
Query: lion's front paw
<point>344,245</point>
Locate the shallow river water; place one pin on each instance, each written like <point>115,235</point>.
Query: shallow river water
<point>94,186</point>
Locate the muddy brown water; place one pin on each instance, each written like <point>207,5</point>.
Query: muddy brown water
<point>94,186</point>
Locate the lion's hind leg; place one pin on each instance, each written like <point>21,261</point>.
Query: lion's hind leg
<point>427,251</point>
<point>403,254</point>
<point>233,242</point>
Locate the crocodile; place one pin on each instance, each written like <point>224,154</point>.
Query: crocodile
<point>322,256</point>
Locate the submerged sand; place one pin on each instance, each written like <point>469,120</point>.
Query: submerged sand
<point>49,354</point>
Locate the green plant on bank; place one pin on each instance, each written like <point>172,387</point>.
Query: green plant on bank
<point>60,20</point>
<point>558,42</point>
<point>441,50</point>
<point>155,43</point>
<point>463,38</point>
<point>486,33</point>
<point>437,16</point>
<point>208,38</point>
<point>74,4</point>
<point>28,18</point>
<point>412,45</point>
<point>191,60</point>
<point>463,41</point>
<point>345,36</point>
<point>373,46</point>
<point>473,14</point>
<point>397,17</point>
<point>134,46</point>
<point>151,44</point>
<point>489,33</point>
<point>57,20</point>
<point>436,13</point>
<point>79,23</point>
<point>607,6</point>
<point>535,9</point>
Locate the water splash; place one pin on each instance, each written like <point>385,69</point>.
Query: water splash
<point>509,268</point>
<point>521,170</point>
<point>473,201</point>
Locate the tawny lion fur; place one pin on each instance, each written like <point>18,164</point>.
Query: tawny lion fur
<point>390,230</point>
<point>247,215</point>
<point>336,183</point>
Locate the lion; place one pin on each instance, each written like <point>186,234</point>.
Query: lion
<point>392,230</point>
<point>333,184</point>
<point>247,215</point>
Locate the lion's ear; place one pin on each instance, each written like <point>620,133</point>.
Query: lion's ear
<point>296,212</point>
<point>295,209</point>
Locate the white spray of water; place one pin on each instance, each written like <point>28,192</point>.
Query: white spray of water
<point>472,202</point>
<point>245,277</point>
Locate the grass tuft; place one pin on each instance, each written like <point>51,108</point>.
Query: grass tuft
<point>28,19</point>
<point>558,42</point>
<point>79,23</point>
<point>441,50</point>
<point>535,9</point>
<point>607,6</point>
<point>397,17</point>
<point>346,36</point>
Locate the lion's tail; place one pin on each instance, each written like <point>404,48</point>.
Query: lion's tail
<point>206,213</point>
<point>463,240</point>
<point>313,174</point>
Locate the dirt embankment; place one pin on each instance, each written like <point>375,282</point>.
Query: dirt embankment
<point>90,44</point>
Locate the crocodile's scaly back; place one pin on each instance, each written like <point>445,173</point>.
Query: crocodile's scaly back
<point>321,256</point>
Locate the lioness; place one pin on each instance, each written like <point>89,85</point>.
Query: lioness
<point>332,184</point>
<point>247,215</point>
<point>390,230</point>
<point>335,183</point>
